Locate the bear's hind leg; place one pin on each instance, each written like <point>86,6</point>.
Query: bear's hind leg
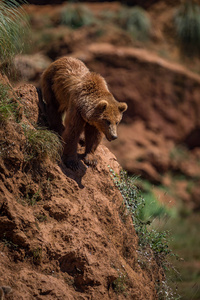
<point>54,117</point>
<point>92,139</point>
<point>74,125</point>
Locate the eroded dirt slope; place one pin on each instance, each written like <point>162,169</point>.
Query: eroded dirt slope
<point>62,235</point>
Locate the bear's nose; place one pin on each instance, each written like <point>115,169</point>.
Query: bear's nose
<point>114,137</point>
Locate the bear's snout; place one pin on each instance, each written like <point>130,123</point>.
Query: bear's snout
<point>113,137</point>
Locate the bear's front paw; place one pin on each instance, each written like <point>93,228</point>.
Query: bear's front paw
<point>90,160</point>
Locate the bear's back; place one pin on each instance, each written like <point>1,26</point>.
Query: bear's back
<point>66,76</point>
<point>69,66</point>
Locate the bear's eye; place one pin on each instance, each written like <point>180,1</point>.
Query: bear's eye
<point>108,122</point>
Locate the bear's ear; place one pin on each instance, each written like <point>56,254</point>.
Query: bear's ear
<point>122,107</point>
<point>102,106</point>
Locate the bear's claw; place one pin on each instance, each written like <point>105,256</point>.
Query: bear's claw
<point>90,160</point>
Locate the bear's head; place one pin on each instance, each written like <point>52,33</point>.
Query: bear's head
<point>108,115</point>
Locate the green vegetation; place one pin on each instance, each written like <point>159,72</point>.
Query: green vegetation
<point>13,30</point>
<point>154,223</point>
<point>8,243</point>
<point>40,144</point>
<point>76,16</point>
<point>136,21</point>
<point>36,255</point>
<point>30,197</point>
<point>120,284</point>
<point>135,203</point>
<point>151,241</point>
<point>41,218</point>
<point>8,108</point>
<point>153,208</point>
<point>186,243</point>
<point>187,26</point>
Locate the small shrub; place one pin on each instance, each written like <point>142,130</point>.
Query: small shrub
<point>41,218</point>
<point>187,26</point>
<point>32,198</point>
<point>136,21</point>
<point>76,16</point>
<point>30,194</point>
<point>8,243</point>
<point>41,143</point>
<point>13,30</point>
<point>120,284</point>
<point>165,292</point>
<point>37,256</point>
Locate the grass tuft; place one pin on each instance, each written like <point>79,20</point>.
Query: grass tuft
<point>136,21</point>
<point>8,108</point>
<point>40,144</point>
<point>76,16</point>
<point>5,107</point>
<point>187,26</point>
<point>13,30</point>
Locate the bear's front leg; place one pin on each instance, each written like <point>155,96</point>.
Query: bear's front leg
<point>74,125</point>
<point>92,139</point>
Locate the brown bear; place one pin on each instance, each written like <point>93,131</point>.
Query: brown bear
<point>70,89</point>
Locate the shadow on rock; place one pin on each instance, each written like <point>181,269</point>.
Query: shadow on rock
<point>75,175</point>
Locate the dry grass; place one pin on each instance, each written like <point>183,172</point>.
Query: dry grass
<point>42,143</point>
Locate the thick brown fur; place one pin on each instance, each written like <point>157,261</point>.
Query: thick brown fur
<point>70,89</point>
